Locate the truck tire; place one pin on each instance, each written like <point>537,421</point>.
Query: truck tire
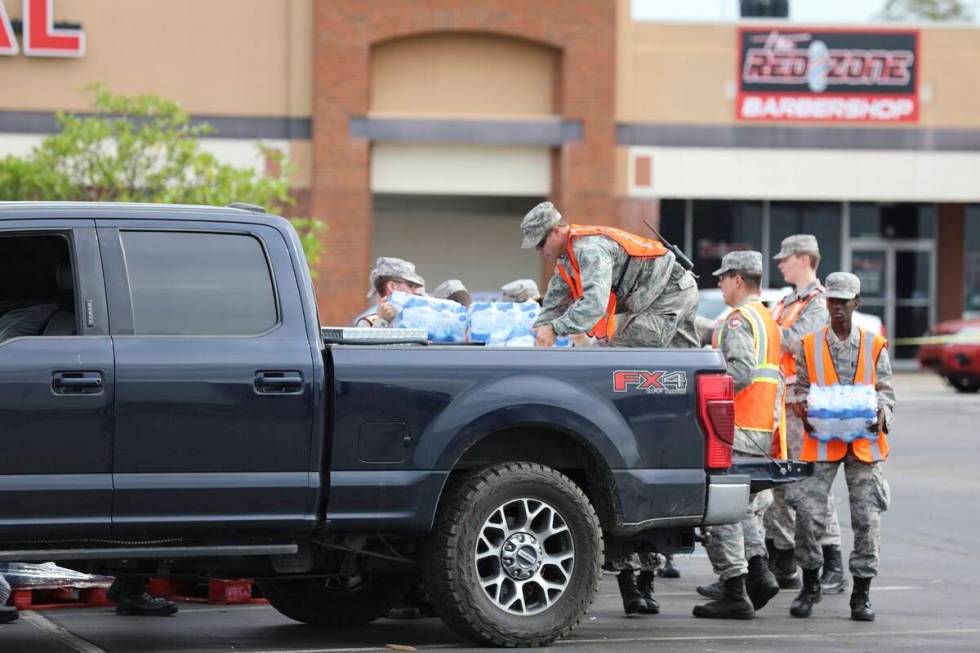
<point>515,556</point>
<point>335,602</point>
<point>965,384</point>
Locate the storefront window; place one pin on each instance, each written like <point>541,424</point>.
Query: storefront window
<point>721,227</point>
<point>972,260</point>
<point>869,220</point>
<point>672,221</point>
<point>822,219</point>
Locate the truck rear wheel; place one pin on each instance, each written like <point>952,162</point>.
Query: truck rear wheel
<point>335,602</point>
<point>515,556</point>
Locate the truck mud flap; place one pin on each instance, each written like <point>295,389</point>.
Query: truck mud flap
<point>766,474</point>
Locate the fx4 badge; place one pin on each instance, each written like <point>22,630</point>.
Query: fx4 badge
<point>653,382</point>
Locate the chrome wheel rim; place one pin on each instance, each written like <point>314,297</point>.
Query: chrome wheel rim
<point>524,556</point>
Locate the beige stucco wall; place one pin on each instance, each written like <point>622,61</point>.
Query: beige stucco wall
<point>463,74</point>
<point>685,73</point>
<point>221,57</point>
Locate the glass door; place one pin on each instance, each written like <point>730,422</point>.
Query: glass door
<point>897,281</point>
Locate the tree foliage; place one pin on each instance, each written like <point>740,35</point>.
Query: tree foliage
<point>926,11</point>
<point>144,149</point>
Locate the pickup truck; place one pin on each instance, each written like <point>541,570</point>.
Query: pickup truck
<point>170,407</point>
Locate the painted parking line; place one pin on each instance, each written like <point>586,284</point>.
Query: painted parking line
<point>64,635</point>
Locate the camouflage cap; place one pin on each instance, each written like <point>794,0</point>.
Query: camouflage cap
<point>797,244</point>
<point>537,223</point>
<point>447,288</point>
<point>842,285</point>
<point>521,290</point>
<point>389,266</point>
<point>748,261</point>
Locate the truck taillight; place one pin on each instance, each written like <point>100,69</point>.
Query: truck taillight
<point>716,408</point>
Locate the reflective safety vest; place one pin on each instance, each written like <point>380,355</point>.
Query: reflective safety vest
<point>635,246</point>
<point>755,404</point>
<point>786,318</point>
<point>820,367</point>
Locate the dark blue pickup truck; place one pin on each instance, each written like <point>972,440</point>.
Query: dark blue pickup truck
<point>169,406</point>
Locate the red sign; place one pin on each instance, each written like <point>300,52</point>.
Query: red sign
<point>41,37</point>
<point>840,75</point>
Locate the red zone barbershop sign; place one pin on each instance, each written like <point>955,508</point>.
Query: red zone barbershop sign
<point>837,75</point>
<point>41,37</point>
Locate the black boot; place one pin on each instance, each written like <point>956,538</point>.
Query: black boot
<point>809,596</point>
<point>669,570</point>
<point>733,605</point>
<point>784,566</point>
<point>771,553</point>
<point>861,609</point>
<point>832,581</point>
<point>632,601</point>
<point>8,613</point>
<point>715,590</point>
<point>644,583</point>
<point>761,584</point>
<point>132,598</point>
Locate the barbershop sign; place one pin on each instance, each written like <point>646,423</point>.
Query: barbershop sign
<point>837,75</point>
<point>40,36</point>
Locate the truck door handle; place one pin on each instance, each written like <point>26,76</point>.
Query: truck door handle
<point>279,383</point>
<point>76,382</point>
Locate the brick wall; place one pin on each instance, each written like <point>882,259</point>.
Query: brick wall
<point>345,30</point>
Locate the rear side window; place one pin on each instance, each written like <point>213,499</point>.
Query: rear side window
<point>197,284</point>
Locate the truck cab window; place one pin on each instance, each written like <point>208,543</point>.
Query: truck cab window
<point>37,289</point>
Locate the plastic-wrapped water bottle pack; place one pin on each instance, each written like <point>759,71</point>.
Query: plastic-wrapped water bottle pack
<point>502,321</point>
<point>445,320</point>
<point>842,412</point>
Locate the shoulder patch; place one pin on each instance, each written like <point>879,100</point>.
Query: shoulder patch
<point>734,322</point>
<point>820,300</point>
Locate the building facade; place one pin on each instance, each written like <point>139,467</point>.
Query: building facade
<point>426,128</point>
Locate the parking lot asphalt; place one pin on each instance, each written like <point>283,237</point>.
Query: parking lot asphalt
<point>926,596</point>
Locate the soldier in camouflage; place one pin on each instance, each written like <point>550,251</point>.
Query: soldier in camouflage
<point>862,458</point>
<point>737,551</point>
<point>389,274</point>
<point>520,290</point>
<point>799,313</point>
<point>656,302</point>
<point>656,297</point>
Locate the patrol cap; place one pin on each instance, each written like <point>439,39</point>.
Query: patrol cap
<point>842,285</point>
<point>520,290</point>
<point>537,223</point>
<point>447,288</point>
<point>389,266</point>
<point>747,261</point>
<point>798,244</point>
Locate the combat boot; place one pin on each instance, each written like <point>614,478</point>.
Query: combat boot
<point>132,598</point>
<point>8,613</point>
<point>715,590</point>
<point>669,570</point>
<point>809,596</point>
<point>633,602</point>
<point>733,605</point>
<point>761,584</point>
<point>832,581</point>
<point>861,609</point>
<point>644,583</point>
<point>787,575</point>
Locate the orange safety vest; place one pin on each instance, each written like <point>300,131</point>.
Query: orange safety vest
<point>787,361</point>
<point>820,367</point>
<point>755,404</point>
<point>635,246</point>
<point>786,319</point>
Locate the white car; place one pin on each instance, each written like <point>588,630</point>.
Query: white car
<point>713,307</point>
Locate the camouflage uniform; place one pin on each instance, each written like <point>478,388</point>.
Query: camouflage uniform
<point>780,518</point>
<point>866,485</point>
<point>732,545</point>
<point>388,266</point>
<point>521,290</point>
<point>4,590</point>
<point>656,297</point>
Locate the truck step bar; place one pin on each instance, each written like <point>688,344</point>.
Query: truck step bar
<point>133,553</point>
